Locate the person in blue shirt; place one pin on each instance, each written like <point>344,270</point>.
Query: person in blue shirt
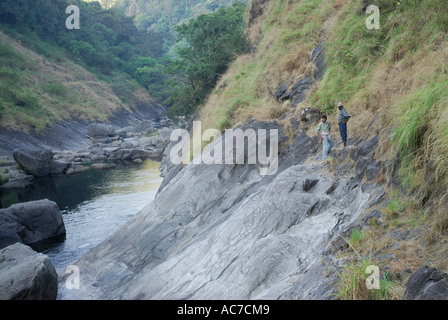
<point>342,120</point>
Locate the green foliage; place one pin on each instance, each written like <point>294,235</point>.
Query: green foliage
<point>394,208</point>
<point>416,113</point>
<point>56,88</point>
<point>356,237</point>
<point>354,50</point>
<point>163,16</point>
<point>107,43</point>
<point>8,198</point>
<point>421,137</point>
<point>154,134</point>
<point>350,56</point>
<point>213,41</point>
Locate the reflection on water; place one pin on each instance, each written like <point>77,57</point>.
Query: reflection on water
<point>94,204</point>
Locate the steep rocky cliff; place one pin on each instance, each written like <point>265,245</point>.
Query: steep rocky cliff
<point>226,232</point>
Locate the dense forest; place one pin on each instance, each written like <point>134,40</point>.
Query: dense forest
<point>213,41</point>
<point>109,44</point>
<point>164,15</point>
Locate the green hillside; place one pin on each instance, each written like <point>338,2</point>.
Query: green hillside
<point>46,68</point>
<point>121,53</point>
<point>35,91</point>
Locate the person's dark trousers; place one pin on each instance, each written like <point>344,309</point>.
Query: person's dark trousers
<point>343,130</point>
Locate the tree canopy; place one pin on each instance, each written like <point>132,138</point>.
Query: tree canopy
<point>213,41</point>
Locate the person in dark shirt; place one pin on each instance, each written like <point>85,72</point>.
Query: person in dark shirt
<point>342,120</point>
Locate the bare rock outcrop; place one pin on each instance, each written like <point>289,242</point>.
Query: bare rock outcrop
<point>26,274</point>
<point>224,231</point>
<point>30,223</point>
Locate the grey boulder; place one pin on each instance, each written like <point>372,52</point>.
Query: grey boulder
<point>60,166</point>
<point>37,162</point>
<point>129,154</point>
<point>427,284</point>
<point>96,130</point>
<point>226,232</point>
<point>30,223</point>
<point>26,274</point>
<point>144,126</point>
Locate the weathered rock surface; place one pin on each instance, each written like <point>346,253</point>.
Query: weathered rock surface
<point>37,162</point>
<point>131,145</point>
<point>144,126</point>
<point>30,223</point>
<point>299,89</point>
<point>100,130</point>
<point>60,166</point>
<point>227,232</point>
<point>281,90</point>
<point>427,284</point>
<point>366,148</point>
<point>26,274</point>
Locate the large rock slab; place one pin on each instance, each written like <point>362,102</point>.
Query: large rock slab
<point>365,148</point>
<point>318,57</point>
<point>129,154</point>
<point>227,232</point>
<point>100,130</point>
<point>281,90</point>
<point>145,126</point>
<point>30,223</point>
<point>26,274</point>
<point>60,166</point>
<point>427,284</point>
<point>37,162</point>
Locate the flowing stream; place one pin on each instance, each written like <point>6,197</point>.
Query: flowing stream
<point>94,205</point>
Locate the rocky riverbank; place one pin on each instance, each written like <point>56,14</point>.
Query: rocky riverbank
<point>25,227</point>
<point>106,147</point>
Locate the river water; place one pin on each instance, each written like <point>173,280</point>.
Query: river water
<point>94,204</point>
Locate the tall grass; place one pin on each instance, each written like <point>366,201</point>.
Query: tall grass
<point>421,136</point>
<point>351,54</point>
<point>352,284</point>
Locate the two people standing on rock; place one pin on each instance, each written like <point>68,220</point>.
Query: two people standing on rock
<point>324,127</point>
